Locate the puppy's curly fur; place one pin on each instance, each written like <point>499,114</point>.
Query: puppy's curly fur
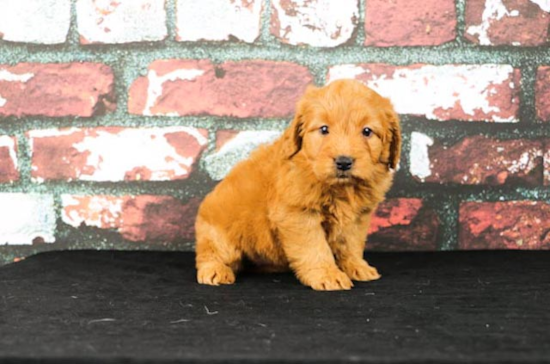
<point>305,201</point>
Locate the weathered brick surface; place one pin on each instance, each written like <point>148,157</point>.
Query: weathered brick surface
<point>318,23</point>
<point>8,159</point>
<point>508,22</point>
<point>215,20</point>
<point>466,92</point>
<point>542,93</point>
<point>121,21</point>
<point>144,218</point>
<point>189,87</point>
<point>35,21</point>
<point>237,68</point>
<point>409,23</point>
<point>504,225</point>
<point>233,147</point>
<point>56,90</point>
<point>115,154</point>
<point>26,218</point>
<point>477,160</point>
<point>403,224</point>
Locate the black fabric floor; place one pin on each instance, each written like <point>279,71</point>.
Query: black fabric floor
<point>144,307</point>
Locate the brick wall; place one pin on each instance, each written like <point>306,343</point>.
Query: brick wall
<point>117,117</point>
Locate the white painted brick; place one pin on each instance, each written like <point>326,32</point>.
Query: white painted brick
<point>218,20</point>
<point>118,154</point>
<point>11,144</point>
<point>543,4</point>
<point>318,23</point>
<point>104,212</point>
<point>419,158</point>
<point>121,21</point>
<point>35,21</point>
<point>235,150</point>
<point>466,92</point>
<point>25,217</point>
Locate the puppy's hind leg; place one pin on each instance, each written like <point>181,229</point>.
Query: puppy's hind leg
<point>217,260</point>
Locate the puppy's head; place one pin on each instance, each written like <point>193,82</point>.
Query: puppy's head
<point>344,132</point>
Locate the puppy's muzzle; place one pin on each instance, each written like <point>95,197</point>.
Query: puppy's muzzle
<point>343,163</point>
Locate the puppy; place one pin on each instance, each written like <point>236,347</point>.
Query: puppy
<point>305,201</point>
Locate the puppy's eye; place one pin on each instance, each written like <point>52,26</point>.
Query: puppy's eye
<point>324,130</point>
<point>367,132</point>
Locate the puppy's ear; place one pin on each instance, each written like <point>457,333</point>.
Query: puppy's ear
<point>293,137</point>
<point>392,155</point>
<point>294,134</point>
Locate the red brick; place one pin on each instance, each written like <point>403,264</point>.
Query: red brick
<point>8,159</point>
<point>478,160</point>
<point>403,224</point>
<point>56,89</point>
<point>239,89</point>
<point>115,154</point>
<point>483,92</point>
<point>144,218</point>
<point>506,22</point>
<point>318,23</point>
<point>504,225</point>
<point>542,93</point>
<point>409,22</point>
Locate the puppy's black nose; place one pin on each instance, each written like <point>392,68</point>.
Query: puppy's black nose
<point>343,163</point>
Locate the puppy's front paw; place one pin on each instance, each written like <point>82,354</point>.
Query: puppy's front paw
<point>328,279</point>
<point>360,270</point>
<point>215,274</point>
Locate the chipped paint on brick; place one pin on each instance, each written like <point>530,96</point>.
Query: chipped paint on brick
<point>8,76</point>
<point>153,158</point>
<point>215,20</point>
<point>156,82</point>
<point>104,212</point>
<point>543,4</point>
<point>466,92</point>
<point>478,160</point>
<point>178,88</point>
<point>419,158</point>
<point>525,163</point>
<point>510,22</point>
<point>235,150</point>
<point>494,10</point>
<point>101,154</point>
<point>57,89</point>
<point>35,21</point>
<point>11,144</point>
<point>151,218</point>
<point>26,218</point>
<point>318,23</point>
<point>121,21</point>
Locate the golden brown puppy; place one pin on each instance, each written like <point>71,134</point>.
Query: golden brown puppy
<point>305,201</point>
